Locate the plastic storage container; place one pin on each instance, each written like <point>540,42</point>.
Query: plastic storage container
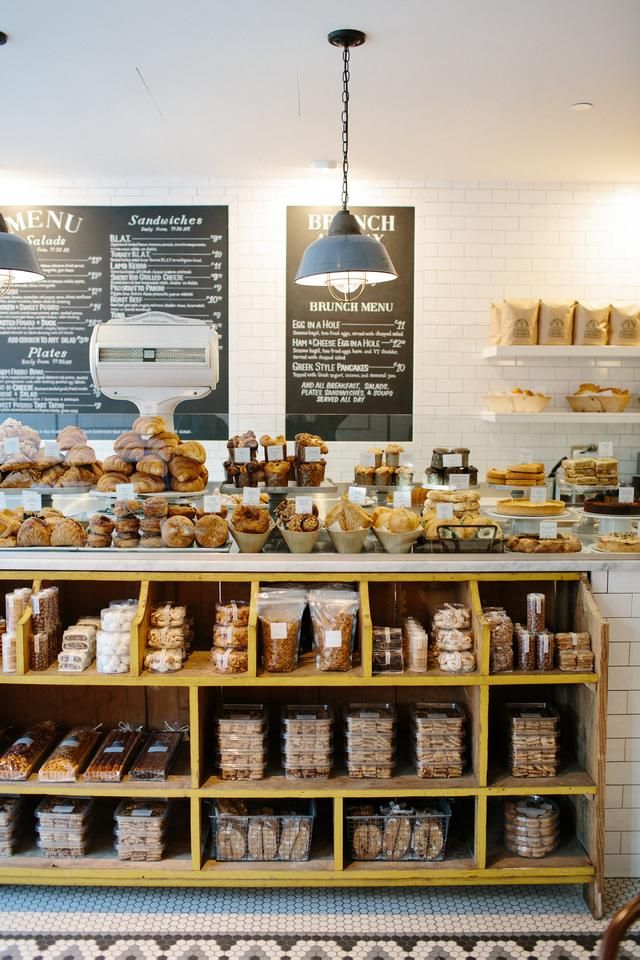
<point>141,829</point>
<point>439,739</point>
<point>531,826</point>
<point>534,739</point>
<point>370,740</point>
<point>64,826</point>
<point>241,742</point>
<point>307,742</point>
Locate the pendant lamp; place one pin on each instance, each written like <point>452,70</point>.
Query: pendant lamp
<point>18,261</point>
<point>345,261</point>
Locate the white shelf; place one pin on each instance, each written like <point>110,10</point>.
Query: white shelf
<point>574,353</point>
<point>561,416</point>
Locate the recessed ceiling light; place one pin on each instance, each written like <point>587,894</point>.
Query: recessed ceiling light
<point>3,38</point>
<point>323,164</point>
<point>582,106</point>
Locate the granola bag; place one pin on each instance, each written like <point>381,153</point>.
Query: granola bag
<point>280,613</point>
<point>334,618</point>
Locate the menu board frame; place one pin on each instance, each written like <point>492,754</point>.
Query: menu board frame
<point>349,367</point>
<point>102,262</point>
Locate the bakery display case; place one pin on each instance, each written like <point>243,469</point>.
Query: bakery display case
<point>323,736</point>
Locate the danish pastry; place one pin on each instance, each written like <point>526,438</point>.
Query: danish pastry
<point>70,437</point>
<point>178,532</point>
<point>149,426</point>
<point>192,450</point>
<point>250,519</point>
<point>80,456</point>
<point>211,531</point>
<point>68,533</point>
<point>34,532</point>
<point>116,464</point>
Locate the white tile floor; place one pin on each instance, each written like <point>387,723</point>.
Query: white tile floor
<point>393,912</point>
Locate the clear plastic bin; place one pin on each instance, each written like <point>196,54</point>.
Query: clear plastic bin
<point>247,720</point>
<point>64,813</point>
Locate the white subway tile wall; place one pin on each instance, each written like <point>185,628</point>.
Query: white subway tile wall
<point>474,242</point>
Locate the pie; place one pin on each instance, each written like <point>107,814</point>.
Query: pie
<point>526,508</point>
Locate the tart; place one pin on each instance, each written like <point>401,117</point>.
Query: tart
<point>608,504</point>
<point>526,508</point>
<point>619,542</point>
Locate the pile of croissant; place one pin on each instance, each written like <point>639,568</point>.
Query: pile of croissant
<point>23,463</point>
<point>154,459</point>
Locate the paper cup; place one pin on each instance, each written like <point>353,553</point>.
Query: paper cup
<point>398,542</point>
<point>300,541</point>
<point>348,541</point>
<point>251,542</point>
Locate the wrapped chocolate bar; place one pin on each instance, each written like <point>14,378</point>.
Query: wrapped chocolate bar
<point>157,756</point>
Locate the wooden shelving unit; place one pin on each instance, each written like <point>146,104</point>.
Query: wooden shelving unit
<point>474,855</point>
<point>566,353</point>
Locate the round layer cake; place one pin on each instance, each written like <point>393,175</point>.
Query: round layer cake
<point>608,505</point>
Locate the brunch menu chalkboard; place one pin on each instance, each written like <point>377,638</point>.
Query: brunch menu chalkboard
<point>350,365</point>
<point>99,263</point>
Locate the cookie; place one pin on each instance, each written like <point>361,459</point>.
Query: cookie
<point>367,841</point>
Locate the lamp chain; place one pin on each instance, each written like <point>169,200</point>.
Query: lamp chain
<point>346,56</point>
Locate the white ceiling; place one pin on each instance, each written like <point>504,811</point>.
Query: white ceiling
<point>448,89</point>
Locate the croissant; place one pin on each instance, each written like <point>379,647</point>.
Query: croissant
<point>80,456</point>
<point>34,532</point>
<point>109,481</point>
<point>192,450</point>
<point>129,445</point>
<point>70,437</point>
<point>164,444</point>
<point>118,465</point>
<point>43,462</point>
<point>75,476</point>
<point>52,475</point>
<point>68,533</point>
<point>149,426</point>
<point>152,464</point>
<point>145,483</point>
<point>9,523</point>
<point>188,486</point>
<point>19,478</point>
<point>183,469</point>
<point>16,462</point>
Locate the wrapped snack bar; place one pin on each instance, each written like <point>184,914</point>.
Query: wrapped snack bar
<point>70,756</point>
<point>25,753</point>
<point>114,757</point>
<point>156,758</point>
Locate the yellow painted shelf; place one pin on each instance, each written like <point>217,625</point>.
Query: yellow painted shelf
<point>193,694</point>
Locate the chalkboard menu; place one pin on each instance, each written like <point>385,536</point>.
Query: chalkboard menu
<point>99,263</point>
<point>350,365</point>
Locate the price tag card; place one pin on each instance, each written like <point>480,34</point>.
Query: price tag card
<point>311,454</point>
<point>605,449</point>
<point>304,505</point>
<point>625,495</point>
<point>241,455</point>
<point>3,500</point>
<point>51,449</point>
<point>525,455</point>
<point>32,502</point>
<point>538,494</point>
<point>405,460</point>
<point>212,503</point>
<point>357,495</point>
<point>251,497</point>
<point>452,460</point>
<point>548,529</point>
<point>459,481</point>
<point>368,459</point>
<point>402,498</point>
<point>11,445</point>
<point>444,511</point>
<point>125,491</point>
<point>276,452</point>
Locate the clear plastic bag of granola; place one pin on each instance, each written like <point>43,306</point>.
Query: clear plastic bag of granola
<point>334,614</point>
<point>280,613</point>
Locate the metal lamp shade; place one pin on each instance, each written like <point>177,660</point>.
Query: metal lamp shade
<point>18,259</point>
<point>345,251</point>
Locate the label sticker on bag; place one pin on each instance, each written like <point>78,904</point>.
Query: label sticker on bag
<point>278,631</point>
<point>332,638</point>
<point>357,495</point>
<point>142,812</point>
<point>402,498</point>
<point>251,497</point>
<point>63,808</point>
<point>304,505</point>
<point>241,454</point>
<point>115,748</point>
<point>158,748</point>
